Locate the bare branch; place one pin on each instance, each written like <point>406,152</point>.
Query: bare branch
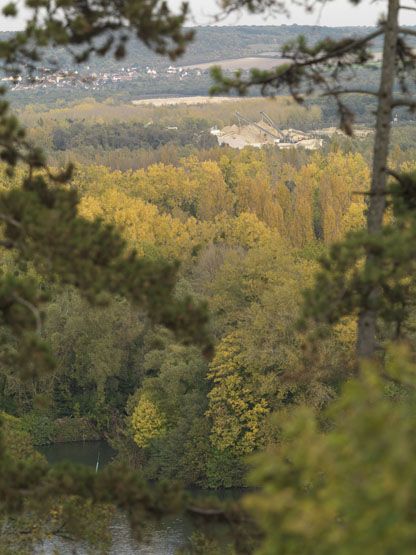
<point>7,244</point>
<point>404,101</point>
<point>407,31</point>
<point>341,51</point>
<point>396,102</point>
<point>8,219</point>
<point>32,309</point>
<point>394,174</point>
<point>205,512</point>
<point>350,91</point>
<point>282,74</point>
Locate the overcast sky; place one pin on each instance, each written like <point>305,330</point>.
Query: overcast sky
<point>334,13</point>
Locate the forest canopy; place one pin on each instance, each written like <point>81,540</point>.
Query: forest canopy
<point>226,318</point>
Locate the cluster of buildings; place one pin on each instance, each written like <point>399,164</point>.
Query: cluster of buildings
<point>46,77</point>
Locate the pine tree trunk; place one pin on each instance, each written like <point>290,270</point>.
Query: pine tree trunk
<point>366,338</point>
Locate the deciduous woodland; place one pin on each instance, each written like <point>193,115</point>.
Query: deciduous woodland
<point>247,228</point>
<point>222,318</point>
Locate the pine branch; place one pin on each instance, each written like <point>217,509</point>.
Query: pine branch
<point>307,68</point>
<point>404,101</point>
<point>33,309</point>
<point>330,56</point>
<point>351,91</point>
<point>205,511</point>
<point>407,31</point>
<point>397,101</point>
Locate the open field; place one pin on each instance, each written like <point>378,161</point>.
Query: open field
<point>184,100</point>
<point>173,111</point>
<point>241,63</point>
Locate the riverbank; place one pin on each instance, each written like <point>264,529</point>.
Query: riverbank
<point>166,536</point>
<point>91,453</point>
<point>45,431</point>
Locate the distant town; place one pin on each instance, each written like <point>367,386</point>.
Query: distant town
<point>48,78</point>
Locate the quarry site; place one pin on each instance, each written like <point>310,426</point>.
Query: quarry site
<point>265,132</point>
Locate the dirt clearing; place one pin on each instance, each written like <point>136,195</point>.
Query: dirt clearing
<point>186,100</point>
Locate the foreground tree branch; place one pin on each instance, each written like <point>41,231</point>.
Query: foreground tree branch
<point>367,320</point>
<point>325,70</point>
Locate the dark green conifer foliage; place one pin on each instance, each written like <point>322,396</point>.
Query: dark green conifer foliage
<point>40,224</point>
<point>342,286</point>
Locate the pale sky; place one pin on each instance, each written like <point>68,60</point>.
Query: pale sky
<point>334,13</point>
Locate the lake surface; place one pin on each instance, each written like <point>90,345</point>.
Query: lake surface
<point>163,538</point>
<point>83,452</point>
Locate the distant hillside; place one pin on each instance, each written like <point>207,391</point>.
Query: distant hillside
<point>144,74</point>
<point>217,43</point>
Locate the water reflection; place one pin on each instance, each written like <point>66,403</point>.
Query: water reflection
<point>83,452</point>
<point>162,538</point>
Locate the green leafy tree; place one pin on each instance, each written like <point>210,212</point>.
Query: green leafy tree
<point>343,482</point>
<point>175,387</point>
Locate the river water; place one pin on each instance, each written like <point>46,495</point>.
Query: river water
<point>163,538</point>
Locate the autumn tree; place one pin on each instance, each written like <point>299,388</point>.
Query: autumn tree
<point>326,68</point>
<point>338,482</point>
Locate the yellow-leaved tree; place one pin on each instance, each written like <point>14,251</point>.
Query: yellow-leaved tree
<point>148,422</point>
<point>236,409</point>
<point>143,226</point>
